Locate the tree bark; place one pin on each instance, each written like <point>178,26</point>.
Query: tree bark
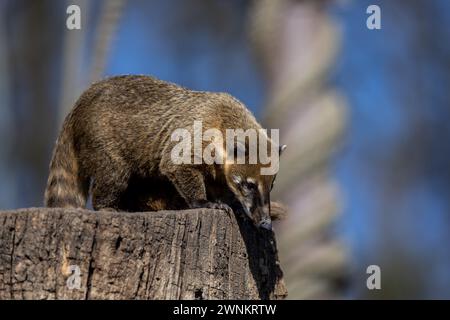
<point>190,254</point>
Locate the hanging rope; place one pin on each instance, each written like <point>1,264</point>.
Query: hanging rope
<point>109,18</point>
<point>296,42</point>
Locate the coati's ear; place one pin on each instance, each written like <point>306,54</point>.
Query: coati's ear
<point>282,148</point>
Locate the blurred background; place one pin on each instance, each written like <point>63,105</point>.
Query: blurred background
<point>364,114</point>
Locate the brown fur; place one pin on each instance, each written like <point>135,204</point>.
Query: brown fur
<point>118,134</point>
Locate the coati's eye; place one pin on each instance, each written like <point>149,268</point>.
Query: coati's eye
<point>248,187</point>
<point>251,185</point>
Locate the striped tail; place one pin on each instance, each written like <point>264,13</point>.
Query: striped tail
<point>66,187</point>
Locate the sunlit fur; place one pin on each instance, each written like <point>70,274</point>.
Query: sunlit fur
<point>119,132</point>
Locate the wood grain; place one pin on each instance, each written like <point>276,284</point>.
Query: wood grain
<point>187,254</point>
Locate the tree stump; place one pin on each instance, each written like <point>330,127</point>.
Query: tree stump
<point>189,254</point>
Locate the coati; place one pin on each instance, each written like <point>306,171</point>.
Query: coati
<point>120,131</point>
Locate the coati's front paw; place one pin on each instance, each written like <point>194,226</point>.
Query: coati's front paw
<point>212,205</point>
<point>221,206</point>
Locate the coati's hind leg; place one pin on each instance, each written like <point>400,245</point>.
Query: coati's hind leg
<point>107,190</point>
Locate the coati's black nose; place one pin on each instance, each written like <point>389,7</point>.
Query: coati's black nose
<point>266,224</point>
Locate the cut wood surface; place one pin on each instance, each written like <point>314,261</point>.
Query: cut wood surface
<point>81,254</point>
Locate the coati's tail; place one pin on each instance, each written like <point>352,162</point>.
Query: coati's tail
<point>66,187</point>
